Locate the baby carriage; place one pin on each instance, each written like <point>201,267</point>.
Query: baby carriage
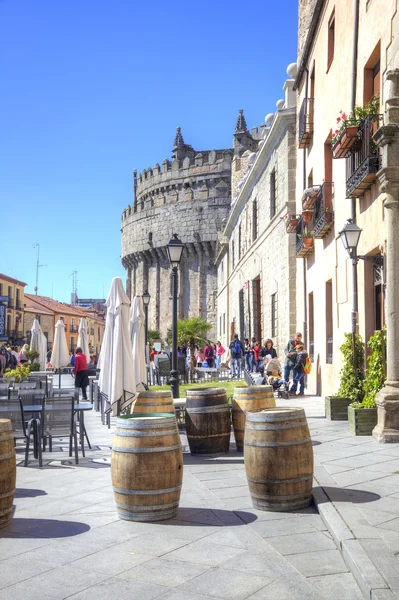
<point>273,376</point>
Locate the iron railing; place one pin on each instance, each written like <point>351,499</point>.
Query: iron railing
<point>364,160</point>
<point>305,125</point>
<point>18,305</point>
<point>74,328</point>
<point>10,303</point>
<point>330,350</point>
<point>323,212</point>
<point>301,231</point>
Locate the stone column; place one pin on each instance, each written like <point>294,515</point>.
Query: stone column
<point>387,400</point>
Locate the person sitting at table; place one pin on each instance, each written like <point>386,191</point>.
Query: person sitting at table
<point>81,372</point>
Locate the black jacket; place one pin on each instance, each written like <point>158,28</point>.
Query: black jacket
<point>264,352</point>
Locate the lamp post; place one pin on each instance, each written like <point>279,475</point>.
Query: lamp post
<point>175,251</point>
<point>350,235</point>
<point>146,300</point>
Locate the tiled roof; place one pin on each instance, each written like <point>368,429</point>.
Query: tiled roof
<point>11,279</point>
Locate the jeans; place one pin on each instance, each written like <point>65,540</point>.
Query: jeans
<point>236,362</point>
<point>256,365</point>
<point>218,360</point>
<point>287,371</point>
<point>209,362</point>
<point>299,377</point>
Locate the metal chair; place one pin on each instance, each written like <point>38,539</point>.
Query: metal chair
<point>32,404</point>
<point>4,391</point>
<point>162,370</point>
<point>29,385</point>
<point>10,408</point>
<point>66,392</point>
<point>60,422</point>
<point>33,378</point>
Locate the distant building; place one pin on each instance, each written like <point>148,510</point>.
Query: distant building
<point>11,310</point>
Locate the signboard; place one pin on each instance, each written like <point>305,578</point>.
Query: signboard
<point>2,320</point>
<point>4,298</point>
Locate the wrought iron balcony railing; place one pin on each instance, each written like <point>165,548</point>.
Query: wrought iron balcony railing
<point>323,212</point>
<point>304,240</point>
<point>18,305</point>
<point>74,328</point>
<point>10,302</point>
<point>364,160</point>
<point>305,124</point>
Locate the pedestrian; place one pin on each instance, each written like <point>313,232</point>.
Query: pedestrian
<point>21,356</point>
<point>247,353</point>
<point>219,353</point>
<point>299,370</point>
<point>200,357</point>
<point>80,372</point>
<point>72,359</point>
<point>209,355</point>
<point>237,351</point>
<point>291,355</point>
<point>257,349</point>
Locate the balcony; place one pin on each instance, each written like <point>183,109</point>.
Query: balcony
<point>14,334</point>
<point>305,125</point>
<point>73,328</point>
<point>10,303</point>
<point>364,160</point>
<point>304,240</point>
<point>18,304</point>
<point>323,213</point>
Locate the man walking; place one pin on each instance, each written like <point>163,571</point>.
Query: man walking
<point>299,370</point>
<point>237,352</point>
<point>291,355</point>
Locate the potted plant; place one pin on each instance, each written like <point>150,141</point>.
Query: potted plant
<point>346,132</point>
<point>291,221</point>
<point>307,216</point>
<point>362,416</point>
<point>20,372</point>
<point>309,197</point>
<point>351,379</point>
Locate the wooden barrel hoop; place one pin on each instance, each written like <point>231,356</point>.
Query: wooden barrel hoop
<point>8,471</point>
<point>245,399</point>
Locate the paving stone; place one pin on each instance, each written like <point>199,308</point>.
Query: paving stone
<point>224,583</point>
<point>204,553</point>
<point>385,561</point>
<point>227,482</point>
<point>121,589</point>
<point>331,587</point>
<point>13,570</point>
<point>285,590</point>
<point>165,572</point>
<point>300,543</point>
<point>112,561</point>
<point>280,527</point>
<point>177,594</point>
<point>364,570</point>
<point>326,562</point>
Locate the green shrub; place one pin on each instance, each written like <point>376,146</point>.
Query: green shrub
<point>376,371</point>
<point>351,377</point>
<point>19,372</point>
<point>35,366</point>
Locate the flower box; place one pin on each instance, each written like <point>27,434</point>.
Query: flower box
<point>362,421</point>
<point>291,222</point>
<point>337,408</point>
<point>345,141</point>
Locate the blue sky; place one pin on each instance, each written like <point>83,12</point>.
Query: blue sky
<point>93,89</point>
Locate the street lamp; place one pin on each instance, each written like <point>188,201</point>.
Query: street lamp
<point>146,300</point>
<point>175,251</point>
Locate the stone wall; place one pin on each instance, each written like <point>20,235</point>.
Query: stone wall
<point>190,196</point>
<point>46,323</point>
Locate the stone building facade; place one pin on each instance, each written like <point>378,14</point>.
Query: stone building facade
<point>256,259</point>
<point>348,186</point>
<point>189,195</point>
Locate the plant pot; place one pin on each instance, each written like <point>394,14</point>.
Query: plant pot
<point>362,421</point>
<point>291,224</point>
<point>337,408</point>
<point>308,242</point>
<point>307,216</point>
<point>343,145</point>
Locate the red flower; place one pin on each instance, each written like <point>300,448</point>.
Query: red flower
<point>338,120</point>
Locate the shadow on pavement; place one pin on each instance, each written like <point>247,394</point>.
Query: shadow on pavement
<point>200,517</point>
<point>44,528</point>
<point>28,493</point>
<point>337,494</point>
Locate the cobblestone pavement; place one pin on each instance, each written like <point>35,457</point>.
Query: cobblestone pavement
<point>66,540</point>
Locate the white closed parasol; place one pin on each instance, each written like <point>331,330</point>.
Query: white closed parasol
<point>117,381</point>
<point>60,354</point>
<point>137,334</point>
<point>83,341</point>
<point>38,342</point>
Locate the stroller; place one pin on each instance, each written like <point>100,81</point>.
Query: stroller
<point>273,376</point>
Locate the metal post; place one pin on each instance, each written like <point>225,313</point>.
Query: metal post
<point>354,311</point>
<point>174,374</point>
<point>146,325</point>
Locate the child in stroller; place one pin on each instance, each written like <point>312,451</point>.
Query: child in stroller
<point>273,376</point>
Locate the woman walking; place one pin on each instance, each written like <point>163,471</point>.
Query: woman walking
<point>219,353</point>
<point>80,372</point>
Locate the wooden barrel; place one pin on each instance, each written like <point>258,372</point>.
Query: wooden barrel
<point>146,466</point>
<point>208,425</point>
<point>278,459</point>
<point>154,402</point>
<point>249,398</point>
<point>8,471</point>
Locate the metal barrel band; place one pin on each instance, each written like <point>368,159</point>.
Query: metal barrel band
<point>137,424</point>
<point>278,444</point>
<point>239,430</point>
<point>6,456</point>
<point>209,409</point>
<point>146,492</point>
<point>6,438</point>
<point>211,435</point>
<point>277,498</point>
<point>142,508</point>
<point>206,392</point>
<point>278,427</point>
<point>262,417</point>
<point>7,494</point>
<point>140,450</point>
<point>146,404</point>
<point>157,516</point>
<point>144,434</point>
<point>282,481</point>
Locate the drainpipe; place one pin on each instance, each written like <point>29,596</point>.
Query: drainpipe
<point>305,292</point>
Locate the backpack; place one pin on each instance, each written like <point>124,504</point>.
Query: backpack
<point>308,366</point>
<point>210,352</point>
<point>236,347</point>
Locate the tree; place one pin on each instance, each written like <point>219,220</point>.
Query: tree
<point>193,331</point>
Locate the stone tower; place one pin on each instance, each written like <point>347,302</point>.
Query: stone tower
<point>189,195</point>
